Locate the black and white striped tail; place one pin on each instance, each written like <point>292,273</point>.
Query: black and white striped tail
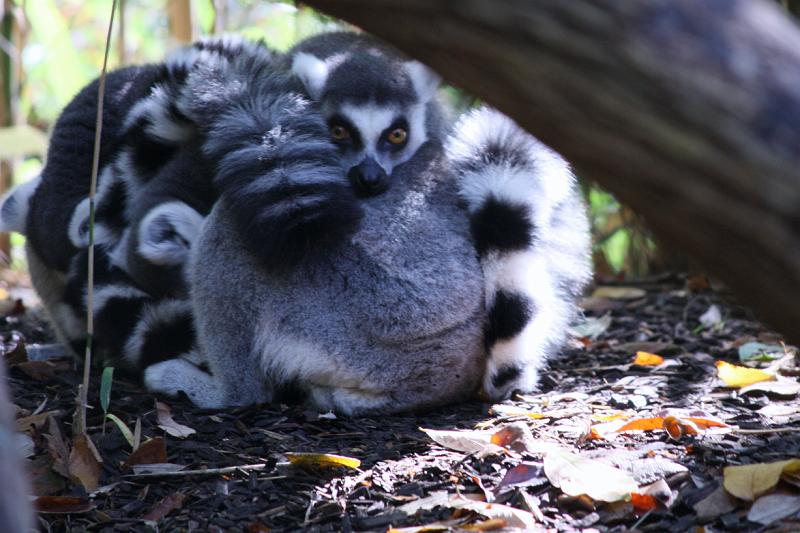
<point>531,234</point>
<point>132,329</point>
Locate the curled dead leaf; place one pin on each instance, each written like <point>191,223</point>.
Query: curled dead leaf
<point>150,452</point>
<point>168,424</point>
<point>84,462</point>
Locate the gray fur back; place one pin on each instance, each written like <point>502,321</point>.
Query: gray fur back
<point>393,321</point>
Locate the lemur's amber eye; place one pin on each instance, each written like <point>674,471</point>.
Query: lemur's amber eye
<point>398,136</point>
<point>339,133</point>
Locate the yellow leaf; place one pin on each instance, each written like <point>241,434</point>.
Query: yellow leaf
<point>647,359</point>
<point>748,482</point>
<point>619,293</point>
<point>740,376</point>
<point>324,460</point>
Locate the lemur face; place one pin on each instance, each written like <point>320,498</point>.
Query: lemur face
<point>375,106</point>
<point>373,139</point>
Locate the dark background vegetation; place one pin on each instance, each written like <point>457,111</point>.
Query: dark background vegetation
<point>49,49</point>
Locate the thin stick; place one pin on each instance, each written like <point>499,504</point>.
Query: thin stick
<point>87,361</point>
<point>205,472</point>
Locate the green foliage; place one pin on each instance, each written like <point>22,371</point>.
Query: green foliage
<point>105,388</point>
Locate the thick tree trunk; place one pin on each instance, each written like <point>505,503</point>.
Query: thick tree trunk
<point>687,110</point>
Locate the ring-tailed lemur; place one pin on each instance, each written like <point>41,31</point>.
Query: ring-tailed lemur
<point>393,319</point>
<point>380,113</point>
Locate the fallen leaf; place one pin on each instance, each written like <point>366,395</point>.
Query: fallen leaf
<point>775,410</point>
<point>523,475</point>
<point>676,428</point>
<point>150,452</point>
<point>591,327</point>
<point>84,462</point>
<point>14,350</point>
<point>24,444</point>
<point>660,491</point>
<point>57,448</point>
<point>758,351</point>
<point>44,481</point>
<point>740,376</point>
<point>467,441</point>
<point>157,468</point>
<point>712,317</point>
<point>165,506</point>
<point>643,502</point>
<point>773,507</point>
<point>62,505</point>
<point>779,387</point>
<point>619,293</point>
<point>647,359</point>
<point>516,436</point>
<point>714,505</point>
<point>748,482</point>
<point>514,518</point>
<point>44,370</point>
<point>576,475</point>
<point>322,460</point>
<point>33,423</point>
<point>492,524</point>
<point>169,425</point>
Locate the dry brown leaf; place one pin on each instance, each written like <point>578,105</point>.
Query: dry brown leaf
<point>151,451</point>
<point>44,370</point>
<point>62,505</point>
<point>84,462</point>
<point>33,423</point>
<point>57,448</point>
<point>44,480</point>
<point>165,506</point>
<point>14,351</point>
<point>516,436</point>
<point>166,422</point>
<point>467,441</point>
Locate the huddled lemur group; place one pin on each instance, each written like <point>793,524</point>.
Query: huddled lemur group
<point>305,226</point>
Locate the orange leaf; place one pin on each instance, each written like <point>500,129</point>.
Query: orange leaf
<point>647,359</point>
<point>643,424</point>
<point>677,428</point>
<point>643,502</point>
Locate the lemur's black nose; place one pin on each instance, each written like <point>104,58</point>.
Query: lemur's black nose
<point>368,178</point>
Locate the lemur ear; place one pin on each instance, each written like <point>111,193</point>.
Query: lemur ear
<point>167,232</point>
<point>312,71</point>
<point>424,79</point>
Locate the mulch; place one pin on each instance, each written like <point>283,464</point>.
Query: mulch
<point>592,382</point>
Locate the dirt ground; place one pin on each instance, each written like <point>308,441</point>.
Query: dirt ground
<point>234,471</point>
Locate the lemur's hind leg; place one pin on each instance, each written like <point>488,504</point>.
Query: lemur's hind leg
<point>531,233</point>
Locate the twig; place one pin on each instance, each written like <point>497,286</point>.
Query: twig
<point>87,361</point>
<point>765,431</point>
<point>206,472</point>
